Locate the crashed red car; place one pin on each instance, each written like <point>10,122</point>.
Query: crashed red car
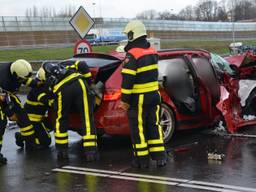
<point>192,94</point>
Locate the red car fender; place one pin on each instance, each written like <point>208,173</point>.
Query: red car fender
<point>224,95</point>
<point>225,108</point>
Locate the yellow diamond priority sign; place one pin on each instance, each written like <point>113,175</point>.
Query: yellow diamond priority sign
<point>81,22</point>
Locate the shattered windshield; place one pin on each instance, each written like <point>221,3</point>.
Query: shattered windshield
<point>221,64</point>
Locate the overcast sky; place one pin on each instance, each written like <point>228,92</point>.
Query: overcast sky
<point>110,8</point>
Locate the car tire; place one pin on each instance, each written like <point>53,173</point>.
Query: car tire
<point>167,121</point>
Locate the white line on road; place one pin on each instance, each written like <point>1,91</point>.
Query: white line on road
<point>143,180</point>
<point>240,135</point>
<point>154,179</point>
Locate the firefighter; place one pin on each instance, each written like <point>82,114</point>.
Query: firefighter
<point>3,123</point>
<point>83,69</point>
<point>12,76</point>
<point>78,66</point>
<point>71,90</point>
<point>37,112</point>
<point>140,97</point>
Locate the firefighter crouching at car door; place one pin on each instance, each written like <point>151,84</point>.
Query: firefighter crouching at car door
<point>80,67</point>
<point>12,76</point>
<point>140,97</point>
<point>71,90</point>
<point>83,69</point>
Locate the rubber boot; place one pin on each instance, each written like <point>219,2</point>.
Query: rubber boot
<point>142,163</point>
<point>3,160</point>
<point>30,143</point>
<point>19,140</point>
<point>91,156</point>
<point>161,162</point>
<point>62,154</point>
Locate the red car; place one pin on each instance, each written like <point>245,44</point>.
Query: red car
<point>192,94</point>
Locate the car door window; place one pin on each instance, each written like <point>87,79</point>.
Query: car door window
<point>178,82</point>
<point>206,73</point>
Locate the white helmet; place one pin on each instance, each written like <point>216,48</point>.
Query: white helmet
<point>135,29</point>
<point>41,74</point>
<point>120,49</point>
<point>21,68</point>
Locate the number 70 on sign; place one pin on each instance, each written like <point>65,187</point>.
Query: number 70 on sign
<point>82,46</point>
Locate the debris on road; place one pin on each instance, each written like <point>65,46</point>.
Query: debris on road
<point>215,156</point>
<point>220,127</point>
<point>249,117</point>
<point>184,148</point>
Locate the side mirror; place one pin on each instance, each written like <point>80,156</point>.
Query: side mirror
<point>235,69</point>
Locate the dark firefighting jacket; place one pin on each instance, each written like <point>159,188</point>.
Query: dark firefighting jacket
<point>140,74</point>
<point>11,83</point>
<point>78,66</point>
<point>73,70</point>
<point>34,106</point>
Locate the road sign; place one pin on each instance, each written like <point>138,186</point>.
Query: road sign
<point>82,46</point>
<point>81,22</point>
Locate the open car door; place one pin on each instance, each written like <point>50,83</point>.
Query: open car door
<point>179,80</point>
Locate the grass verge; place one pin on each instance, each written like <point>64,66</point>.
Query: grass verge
<point>220,47</point>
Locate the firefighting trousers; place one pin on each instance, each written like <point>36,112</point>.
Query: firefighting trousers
<point>75,95</point>
<point>146,132</point>
<point>42,133</point>
<point>3,123</point>
<point>26,128</point>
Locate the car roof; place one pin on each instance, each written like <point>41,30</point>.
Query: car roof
<point>182,51</point>
<point>97,59</point>
<point>116,57</point>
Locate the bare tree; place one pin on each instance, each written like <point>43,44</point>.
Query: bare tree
<point>167,15</point>
<point>148,14</point>
<point>35,11</point>
<point>222,15</point>
<point>187,13</point>
<point>67,11</point>
<point>207,10</point>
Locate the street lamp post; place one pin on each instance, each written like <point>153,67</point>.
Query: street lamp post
<point>94,16</point>
<point>233,23</point>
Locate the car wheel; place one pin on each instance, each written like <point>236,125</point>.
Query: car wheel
<point>167,122</point>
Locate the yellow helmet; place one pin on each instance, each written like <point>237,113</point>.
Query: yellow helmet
<point>21,68</point>
<point>135,29</point>
<point>41,74</point>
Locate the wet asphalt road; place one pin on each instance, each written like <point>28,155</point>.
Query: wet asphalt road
<point>188,166</point>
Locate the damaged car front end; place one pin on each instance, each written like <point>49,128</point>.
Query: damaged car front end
<point>232,77</point>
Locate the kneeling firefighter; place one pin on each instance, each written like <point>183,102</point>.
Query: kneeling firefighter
<point>70,89</point>
<point>37,108</point>
<point>13,75</point>
<point>140,97</point>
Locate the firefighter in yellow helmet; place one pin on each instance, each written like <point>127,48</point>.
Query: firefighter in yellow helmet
<point>13,75</point>
<point>140,97</point>
<point>37,111</point>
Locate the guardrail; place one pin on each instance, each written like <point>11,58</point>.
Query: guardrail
<point>39,32</point>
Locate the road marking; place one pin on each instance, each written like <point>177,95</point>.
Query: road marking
<point>241,135</point>
<point>154,179</point>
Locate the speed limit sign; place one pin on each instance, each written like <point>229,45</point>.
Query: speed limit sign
<point>82,46</point>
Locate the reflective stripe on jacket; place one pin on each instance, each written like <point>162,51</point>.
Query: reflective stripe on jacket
<point>140,74</point>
